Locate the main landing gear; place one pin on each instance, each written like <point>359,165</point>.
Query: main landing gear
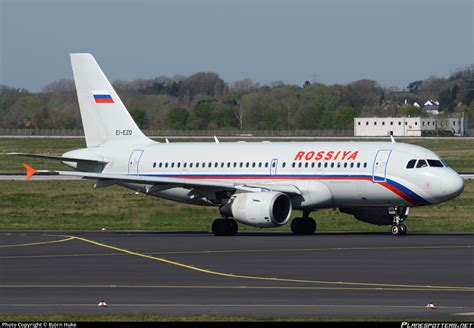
<point>224,227</point>
<point>304,225</point>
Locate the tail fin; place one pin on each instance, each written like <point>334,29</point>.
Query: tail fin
<point>104,116</point>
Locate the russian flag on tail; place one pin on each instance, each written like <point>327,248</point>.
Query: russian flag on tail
<point>102,97</point>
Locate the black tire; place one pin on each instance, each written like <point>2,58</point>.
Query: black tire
<point>231,227</point>
<point>309,226</point>
<point>297,226</point>
<point>396,230</point>
<point>219,227</point>
<point>403,229</point>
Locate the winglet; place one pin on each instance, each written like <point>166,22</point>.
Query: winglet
<point>29,171</point>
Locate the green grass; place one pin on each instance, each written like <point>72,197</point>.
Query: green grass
<point>458,153</point>
<point>71,205</point>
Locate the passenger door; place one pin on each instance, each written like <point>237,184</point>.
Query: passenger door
<point>379,172</point>
<point>134,161</point>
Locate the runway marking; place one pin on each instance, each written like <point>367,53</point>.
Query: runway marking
<point>238,276</point>
<point>38,243</point>
<point>229,287</point>
<point>242,251</point>
<point>465,313</point>
<point>229,305</point>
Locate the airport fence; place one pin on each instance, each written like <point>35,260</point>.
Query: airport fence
<point>187,133</point>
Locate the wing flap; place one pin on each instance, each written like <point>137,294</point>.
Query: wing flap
<point>187,183</point>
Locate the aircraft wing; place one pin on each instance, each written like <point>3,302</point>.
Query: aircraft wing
<point>179,182</point>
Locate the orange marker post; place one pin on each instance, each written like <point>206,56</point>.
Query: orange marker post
<point>29,171</point>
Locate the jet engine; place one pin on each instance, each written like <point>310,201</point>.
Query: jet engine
<point>259,209</point>
<point>378,215</point>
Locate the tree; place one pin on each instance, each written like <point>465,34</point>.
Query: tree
<point>201,117</point>
<point>414,87</point>
<point>140,117</point>
<point>177,118</point>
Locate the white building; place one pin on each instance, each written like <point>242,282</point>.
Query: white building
<point>408,126</point>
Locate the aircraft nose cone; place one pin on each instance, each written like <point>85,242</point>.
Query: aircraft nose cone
<point>452,186</point>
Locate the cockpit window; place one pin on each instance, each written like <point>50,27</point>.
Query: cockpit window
<point>421,163</point>
<point>435,163</point>
<point>411,164</point>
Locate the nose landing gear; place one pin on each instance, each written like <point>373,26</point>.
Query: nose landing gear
<point>399,215</point>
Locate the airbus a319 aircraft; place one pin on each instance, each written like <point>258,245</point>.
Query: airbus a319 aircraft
<point>258,183</point>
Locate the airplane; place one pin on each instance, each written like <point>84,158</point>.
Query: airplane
<point>258,184</point>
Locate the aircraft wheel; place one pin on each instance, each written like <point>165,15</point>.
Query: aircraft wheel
<point>403,229</point>
<point>396,230</point>
<point>219,227</point>
<point>231,227</point>
<point>297,226</point>
<point>310,226</point>
<point>303,226</point>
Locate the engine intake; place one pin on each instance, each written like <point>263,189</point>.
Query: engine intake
<point>259,209</point>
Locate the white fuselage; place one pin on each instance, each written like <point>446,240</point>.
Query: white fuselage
<point>328,174</point>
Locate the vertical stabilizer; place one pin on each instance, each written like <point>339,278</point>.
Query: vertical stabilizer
<point>104,116</point>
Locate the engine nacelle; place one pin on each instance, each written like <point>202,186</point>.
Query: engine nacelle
<point>377,215</point>
<point>259,209</point>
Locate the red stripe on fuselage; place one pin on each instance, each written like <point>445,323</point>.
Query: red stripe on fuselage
<point>384,184</point>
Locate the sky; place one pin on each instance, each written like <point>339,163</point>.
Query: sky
<point>325,41</point>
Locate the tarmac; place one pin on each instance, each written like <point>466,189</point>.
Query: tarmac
<point>265,274</point>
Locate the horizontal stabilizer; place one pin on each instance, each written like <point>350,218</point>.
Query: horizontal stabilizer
<point>60,158</point>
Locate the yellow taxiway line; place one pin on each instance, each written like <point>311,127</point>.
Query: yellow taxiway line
<point>238,276</point>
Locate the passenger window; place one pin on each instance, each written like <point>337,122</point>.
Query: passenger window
<point>191,164</point>
<point>421,163</point>
<point>358,165</point>
<point>435,163</point>
<point>319,165</point>
<point>178,165</point>
<point>345,164</point>
<point>247,164</point>
<point>197,164</point>
<point>293,164</point>
<point>241,164</point>
<point>283,165</point>
<point>210,164</point>
<point>411,163</point>
<point>266,164</point>
<point>338,164</point>
<point>160,165</point>
<point>325,164</point>
<point>216,164</point>
<point>332,164</point>
<point>312,165</point>
<point>253,164</point>
<point>172,164</point>
<point>184,164</point>
<point>352,164</point>
<point>260,164</point>
<point>235,164</point>
<point>154,165</point>
<point>228,164</point>
<point>365,164</point>
<point>306,164</point>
